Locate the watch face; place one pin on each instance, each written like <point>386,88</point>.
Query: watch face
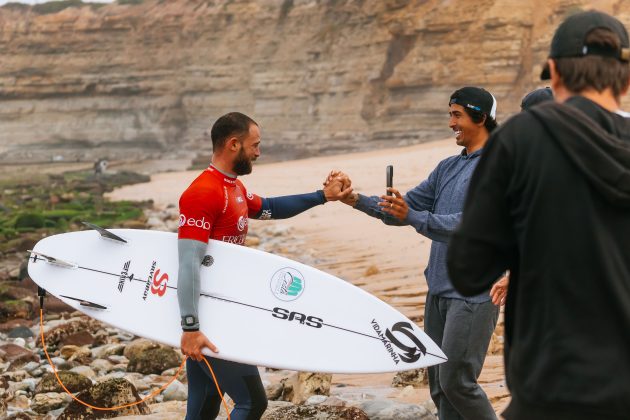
<point>189,321</point>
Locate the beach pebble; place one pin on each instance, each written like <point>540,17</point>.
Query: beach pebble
<point>22,402</point>
<point>4,366</point>
<point>85,371</point>
<point>101,366</point>
<point>31,366</point>
<point>302,385</point>
<point>169,373</point>
<point>57,361</point>
<point>43,403</point>
<point>16,375</point>
<point>176,391</point>
<point>314,412</point>
<point>114,349</point>
<point>31,383</point>
<point>274,391</point>
<point>335,402</point>
<point>138,346</point>
<point>120,367</point>
<point>73,352</point>
<point>81,338</point>
<point>116,359</point>
<point>111,375</point>
<point>315,399</point>
<point>415,377</point>
<point>16,387</point>
<point>17,354</point>
<point>387,409</point>
<point>20,332</point>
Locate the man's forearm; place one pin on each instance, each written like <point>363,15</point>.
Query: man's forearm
<point>289,205</point>
<point>191,253</point>
<point>437,227</point>
<point>369,206</point>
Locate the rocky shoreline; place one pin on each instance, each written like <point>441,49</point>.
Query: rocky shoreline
<point>105,367</point>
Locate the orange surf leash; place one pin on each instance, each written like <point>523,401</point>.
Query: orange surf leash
<point>151,395</point>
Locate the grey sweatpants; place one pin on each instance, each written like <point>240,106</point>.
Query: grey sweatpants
<point>463,331</point>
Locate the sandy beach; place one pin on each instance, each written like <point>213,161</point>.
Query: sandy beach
<point>386,261</point>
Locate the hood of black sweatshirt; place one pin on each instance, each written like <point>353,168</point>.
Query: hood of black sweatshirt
<point>595,140</point>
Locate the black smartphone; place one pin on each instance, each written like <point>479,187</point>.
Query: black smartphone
<point>389,177</point>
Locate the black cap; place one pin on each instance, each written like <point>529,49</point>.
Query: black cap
<point>569,38</point>
<point>475,98</point>
<point>536,96</point>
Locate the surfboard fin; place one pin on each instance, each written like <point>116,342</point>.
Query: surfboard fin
<point>105,233</point>
<point>86,303</point>
<point>53,260</point>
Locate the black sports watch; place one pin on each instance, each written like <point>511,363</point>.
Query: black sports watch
<point>190,323</point>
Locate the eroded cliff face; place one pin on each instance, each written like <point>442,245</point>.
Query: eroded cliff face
<point>146,80</point>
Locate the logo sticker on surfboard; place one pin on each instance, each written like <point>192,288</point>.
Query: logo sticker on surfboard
<point>287,284</point>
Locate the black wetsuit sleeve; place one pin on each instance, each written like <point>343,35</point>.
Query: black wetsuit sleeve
<point>483,246</point>
<point>289,205</point>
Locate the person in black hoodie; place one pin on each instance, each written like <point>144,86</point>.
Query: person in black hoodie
<point>550,201</point>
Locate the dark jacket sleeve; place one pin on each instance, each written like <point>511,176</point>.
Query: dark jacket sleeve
<point>482,247</point>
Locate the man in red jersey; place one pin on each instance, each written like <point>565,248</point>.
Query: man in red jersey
<point>218,206</point>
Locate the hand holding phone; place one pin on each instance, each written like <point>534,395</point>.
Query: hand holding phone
<point>389,178</point>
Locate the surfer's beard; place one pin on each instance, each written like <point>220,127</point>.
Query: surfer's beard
<point>242,165</point>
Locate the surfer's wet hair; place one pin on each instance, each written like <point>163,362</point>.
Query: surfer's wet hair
<point>597,72</point>
<point>233,124</point>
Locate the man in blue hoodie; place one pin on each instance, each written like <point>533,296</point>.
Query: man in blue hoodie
<point>462,327</point>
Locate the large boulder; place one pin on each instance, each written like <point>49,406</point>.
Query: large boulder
<point>111,393</point>
<point>73,381</point>
<point>153,360</point>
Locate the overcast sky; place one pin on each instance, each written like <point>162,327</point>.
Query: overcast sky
<point>46,1</point>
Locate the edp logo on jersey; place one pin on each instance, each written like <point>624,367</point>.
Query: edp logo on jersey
<point>287,284</point>
<point>190,221</point>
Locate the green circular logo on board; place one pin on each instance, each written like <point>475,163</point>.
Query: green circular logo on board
<point>287,284</point>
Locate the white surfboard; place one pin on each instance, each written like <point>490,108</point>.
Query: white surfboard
<point>257,308</point>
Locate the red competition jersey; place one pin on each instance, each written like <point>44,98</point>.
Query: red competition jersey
<point>216,206</point>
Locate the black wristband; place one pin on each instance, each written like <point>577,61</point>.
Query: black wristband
<point>190,323</point>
